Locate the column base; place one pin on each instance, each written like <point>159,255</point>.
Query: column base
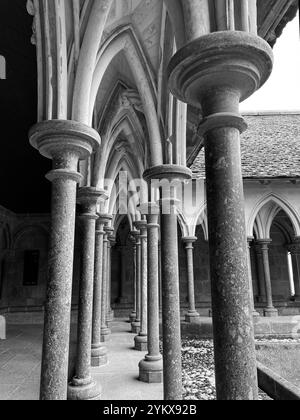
<point>192,317</point>
<point>136,327</point>
<point>132,317</point>
<point>296,299</point>
<point>141,343</point>
<point>151,370</point>
<point>105,335</point>
<point>270,312</point>
<point>255,314</point>
<point>80,390</point>
<point>99,356</point>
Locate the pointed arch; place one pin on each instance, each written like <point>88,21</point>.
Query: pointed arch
<point>271,204</point>
<point>124,41</point>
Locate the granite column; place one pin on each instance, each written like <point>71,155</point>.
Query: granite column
<point>151,368</point>
<point>141,339</point>
<point>82,386</point>
<point>99,351</point>
<point>270,310</point>
<point>65,142</point>
<point>215,72</point>
<point>192,315</point>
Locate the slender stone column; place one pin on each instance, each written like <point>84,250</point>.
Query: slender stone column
<point>132,316</point>
<point>260,274</point>
<point>82,386</point>
<point>141,339</point>
<point>123,278</point>
<point>270,310</point>
<point>167,174</point>
<point>294,249</point>
<point>136,325</point>
<point>216,72</point>
<point>110,245</point>
<point>65,142</point>
<point>151,368</point>
<point>99,351</point>
<point>254,312</point>
<point>105,331</point>
<point>192,315</point>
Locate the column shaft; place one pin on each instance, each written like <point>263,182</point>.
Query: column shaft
<point>133,314</point>
<point>82,386</point>
<point>105,332</point>
<point>141,338</point>
<point>171,307</point>
<point>192,314</point>
<point>151,368</point>
<point>136,325</point>
<point>55,358</point>
<point>269,310</point>
<point>236,376</point>
<point>99,352</point>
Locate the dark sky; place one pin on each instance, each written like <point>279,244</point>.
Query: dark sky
<point>23,186</point>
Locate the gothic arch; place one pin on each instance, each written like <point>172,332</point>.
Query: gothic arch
<point>271,204</point>
<point>124,41</point>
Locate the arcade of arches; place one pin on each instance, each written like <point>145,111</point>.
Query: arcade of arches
<point>151,209</point>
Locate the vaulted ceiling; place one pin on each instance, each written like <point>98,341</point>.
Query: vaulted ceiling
<point>22,170</point>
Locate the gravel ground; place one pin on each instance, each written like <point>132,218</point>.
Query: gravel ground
<point>198,371</point>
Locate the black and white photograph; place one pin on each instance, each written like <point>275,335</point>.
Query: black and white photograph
<point>149,203</point>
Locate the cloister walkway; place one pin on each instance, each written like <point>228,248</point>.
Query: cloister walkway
<point>20,365</point>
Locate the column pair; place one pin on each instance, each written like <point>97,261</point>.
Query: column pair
<point>136,323</point>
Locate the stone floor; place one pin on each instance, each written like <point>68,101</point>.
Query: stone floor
<point>20,357</point>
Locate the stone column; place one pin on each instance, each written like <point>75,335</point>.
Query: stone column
<point>141,339</point>
<point>170,277</point>
<point>151,368</point>
<point>132,316</point>
<point>82,386</point>
<point>110,245</point>
<point>123,278</point>
<point>215,72</point>
<point>99,351</point>
<point>260,273</point>
<point>270,310</point>
<point>192,315</point>
<point>254,312</point>
<point>105,331</point>
<point>294,249</point>
<point>65,142</point>
<point>136,325</point>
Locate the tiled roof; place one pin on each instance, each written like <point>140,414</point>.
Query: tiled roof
<point>270,147</point>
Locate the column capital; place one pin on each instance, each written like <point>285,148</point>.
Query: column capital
<point>189,240</point>
<point>56,137</point>
<point>105,219</point>
<point>263,243</point>
<point>88,198</point>
<point>168,172</point>
<point>250,239</point>
<point>236,60</point>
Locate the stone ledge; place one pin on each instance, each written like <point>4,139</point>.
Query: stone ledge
<point>275,386</point>
<point>281,327</point>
